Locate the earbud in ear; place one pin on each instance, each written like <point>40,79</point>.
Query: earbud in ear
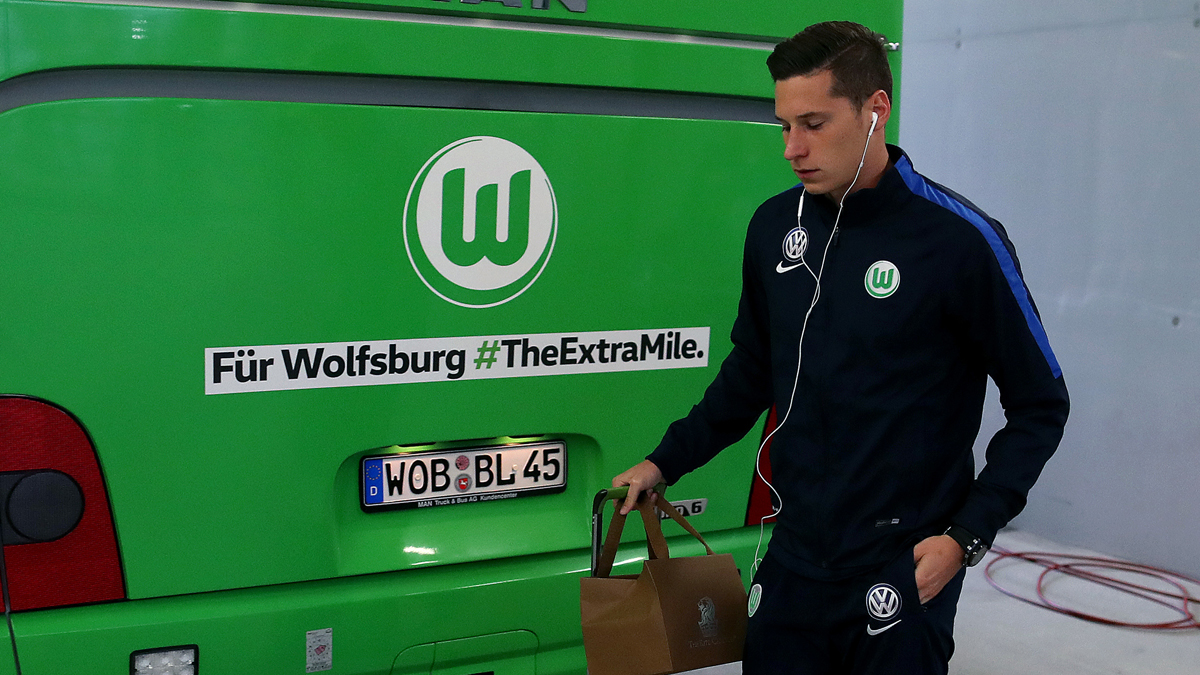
<point>874,121</point>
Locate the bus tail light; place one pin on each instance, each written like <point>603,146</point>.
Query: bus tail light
<point>60,546</point>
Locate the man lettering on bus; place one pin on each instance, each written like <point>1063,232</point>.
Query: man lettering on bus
<point>875,304</point>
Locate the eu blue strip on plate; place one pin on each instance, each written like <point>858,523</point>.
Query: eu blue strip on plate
<point>373,481</point>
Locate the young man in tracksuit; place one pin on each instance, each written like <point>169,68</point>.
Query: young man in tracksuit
<point>875,304</point>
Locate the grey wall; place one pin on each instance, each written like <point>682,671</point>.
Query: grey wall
<point>1076,123</point>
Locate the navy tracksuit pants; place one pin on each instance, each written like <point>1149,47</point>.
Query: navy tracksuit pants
<point>872,624</point>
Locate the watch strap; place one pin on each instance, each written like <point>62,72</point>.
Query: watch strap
<point>973,547</point>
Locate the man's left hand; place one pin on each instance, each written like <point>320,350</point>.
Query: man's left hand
<point>937,559</point>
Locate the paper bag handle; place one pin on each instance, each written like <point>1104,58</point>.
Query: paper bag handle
<point>670,510</point>
<point>656,543</point>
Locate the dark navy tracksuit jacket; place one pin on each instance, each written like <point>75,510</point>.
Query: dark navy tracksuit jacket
<point>876,449</point>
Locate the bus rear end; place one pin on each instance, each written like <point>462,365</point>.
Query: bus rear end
<point>322,326</point>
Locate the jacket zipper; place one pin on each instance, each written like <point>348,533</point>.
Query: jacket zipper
<point>823,529</point>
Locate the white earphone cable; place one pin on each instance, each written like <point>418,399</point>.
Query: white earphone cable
<point>778,500</point>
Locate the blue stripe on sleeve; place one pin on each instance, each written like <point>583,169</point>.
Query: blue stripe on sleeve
<point>922,188</point>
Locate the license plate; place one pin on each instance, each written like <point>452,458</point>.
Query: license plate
<point>463,476</point>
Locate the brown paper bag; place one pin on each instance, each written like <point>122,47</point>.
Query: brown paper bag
<point>678,614</point>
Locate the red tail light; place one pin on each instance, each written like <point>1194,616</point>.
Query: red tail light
<point>760,495</point>
<point>60,547</point>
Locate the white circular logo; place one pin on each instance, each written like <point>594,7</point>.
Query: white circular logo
<point>883,602</point>
<point>754,599</point>
<point>883,278</point>
<point>795,244</point>
<point>480,221</point>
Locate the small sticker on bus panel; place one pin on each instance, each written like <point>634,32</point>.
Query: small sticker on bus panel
<point>424,479</point>
<point>687,507</point>
<point>318,651</point>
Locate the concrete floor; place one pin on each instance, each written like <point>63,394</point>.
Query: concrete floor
<point>997,635</point>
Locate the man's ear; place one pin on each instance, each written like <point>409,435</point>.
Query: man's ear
<point>880,104</point>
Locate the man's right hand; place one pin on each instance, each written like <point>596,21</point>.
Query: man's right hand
<point>640,478</point>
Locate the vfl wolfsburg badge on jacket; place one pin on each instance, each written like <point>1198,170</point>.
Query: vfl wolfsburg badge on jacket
<point>883,278</point>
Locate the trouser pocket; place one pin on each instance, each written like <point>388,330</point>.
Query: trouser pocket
<point>893,592</point>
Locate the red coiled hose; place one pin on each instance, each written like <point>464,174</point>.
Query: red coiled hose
<point>1092,568</point>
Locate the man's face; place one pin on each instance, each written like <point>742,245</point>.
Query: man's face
<point>823,135</point>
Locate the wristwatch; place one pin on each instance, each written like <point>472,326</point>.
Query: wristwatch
<point>973,547</point>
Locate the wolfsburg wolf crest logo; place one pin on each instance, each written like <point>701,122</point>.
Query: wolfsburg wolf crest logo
<point>883,278</point>
<point>480,221</point>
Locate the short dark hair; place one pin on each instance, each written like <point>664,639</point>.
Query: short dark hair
<point>853,53</point>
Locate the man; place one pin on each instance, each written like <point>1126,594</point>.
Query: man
<point>875,304</point>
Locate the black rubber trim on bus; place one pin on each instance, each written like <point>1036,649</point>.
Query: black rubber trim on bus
<point>75,84</point>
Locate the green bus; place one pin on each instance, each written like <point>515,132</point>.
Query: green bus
<point>322,322</point>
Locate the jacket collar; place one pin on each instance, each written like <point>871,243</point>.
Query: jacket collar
<point>889,194</point>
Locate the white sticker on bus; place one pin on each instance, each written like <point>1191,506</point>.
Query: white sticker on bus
<point>230,370</point>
